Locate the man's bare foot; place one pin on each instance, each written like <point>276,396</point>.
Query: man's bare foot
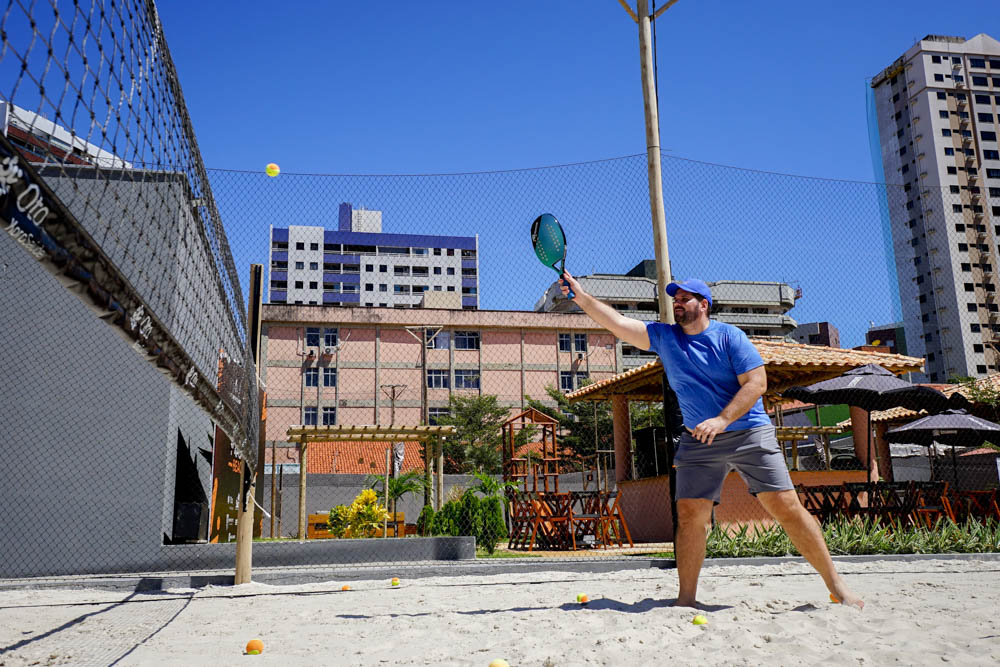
<point>685,603</point>
<point>842,594</point>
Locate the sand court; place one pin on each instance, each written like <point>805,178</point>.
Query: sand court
<point>918,612</point>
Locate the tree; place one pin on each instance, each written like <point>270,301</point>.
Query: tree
<point>577,424</point>
<point>476,445</point>
<point>408,482</point>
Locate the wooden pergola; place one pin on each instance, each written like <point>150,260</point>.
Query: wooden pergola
<point>303,435</point>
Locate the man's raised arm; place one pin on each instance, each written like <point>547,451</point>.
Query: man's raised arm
<point>630,330</point>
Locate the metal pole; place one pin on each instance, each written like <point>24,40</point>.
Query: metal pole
<point>653,163</point>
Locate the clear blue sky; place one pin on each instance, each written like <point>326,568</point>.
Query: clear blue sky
<point>446,87</point>
<point>432,87</point>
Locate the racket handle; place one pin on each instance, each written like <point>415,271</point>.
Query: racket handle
<point>572,294</point>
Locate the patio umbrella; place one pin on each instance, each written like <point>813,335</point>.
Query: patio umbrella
<point>870,387</point>
<point>954,428</point>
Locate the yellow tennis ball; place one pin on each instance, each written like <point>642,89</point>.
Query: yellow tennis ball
<point>395,581</point>
<point>582,598</point>
<point>255,647</point>
<point>499,662</point>
<point>272,169</point>
<point>345,587</point>
<point>699,620</point>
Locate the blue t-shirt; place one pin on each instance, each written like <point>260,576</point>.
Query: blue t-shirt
<point>703,369</point>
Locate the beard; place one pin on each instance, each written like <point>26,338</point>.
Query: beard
<point>684,316</point>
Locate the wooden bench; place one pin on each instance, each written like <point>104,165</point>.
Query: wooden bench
<point>317,527</point>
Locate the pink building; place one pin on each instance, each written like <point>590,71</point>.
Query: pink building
<point>350,365</point>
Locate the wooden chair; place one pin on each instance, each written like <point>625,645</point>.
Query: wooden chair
<point>932,503</point>
<point>523,521</point>
<point>587,516</point>
<point>614,520</point>
<point>556,511</point>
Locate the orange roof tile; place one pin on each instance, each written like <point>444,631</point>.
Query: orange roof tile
<point>786,364</point>
<point>365,457</point>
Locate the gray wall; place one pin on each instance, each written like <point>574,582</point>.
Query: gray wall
<point>89,434</point>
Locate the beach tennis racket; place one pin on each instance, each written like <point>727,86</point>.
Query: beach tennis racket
<point>549,241</point>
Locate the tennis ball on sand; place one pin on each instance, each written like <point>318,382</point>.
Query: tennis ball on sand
<point>345,587</point>
<point>499,662</point>
<point>699,620</point>
<point>272,169</point>
<point>255,647</point>
<point>582,598</point>
<point>395,581</point>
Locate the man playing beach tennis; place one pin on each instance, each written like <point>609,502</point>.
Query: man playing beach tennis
<point>719,379</point>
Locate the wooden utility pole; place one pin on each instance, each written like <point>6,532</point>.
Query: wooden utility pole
<point>245,515</point>
<point>663,277</point>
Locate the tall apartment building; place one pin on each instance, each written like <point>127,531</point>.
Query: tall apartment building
<point>758,308</point>
<point>937,108</point>
<point>357,264</point>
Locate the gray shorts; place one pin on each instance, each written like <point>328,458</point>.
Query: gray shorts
<point>753,453</point>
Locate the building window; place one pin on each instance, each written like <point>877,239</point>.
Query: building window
<point>382,268</point>
<point>949,151</point>
<point>329,377</point>
<point>580,342</point>
<point>974,328</point>
<point>437,251</point>
<point>971,307</point>
<point>369,287</point>
<point>329,416</point>
<point>991,155</point>
<point>945,132</point>
<point>401,270</point>
<point>437,339</point>
<point>313,284</point>
<point>466,379</point>
<point>978,63</point>
<point>566,380</point>
<point>330,337</point>
<point>401,289</point>
<point>312,336</point>
<point>369,267</point>
<point>312,377</point>
<point>437,379</point>
<point>564,343</point>
<point>383,287</point>
<point>437,270</point>
<point>467,340</point>
<point>979,81</point>
<point>435,415</point>
<point>451,270</point>
<point>943,114</point>
<point>939,77</point>
<point>300,246</point>
<point>314,246</point>
<point>956,208</point>
<point>935,59</point>
<point>309,416</point>
<point>314,266</point>
<point>300,265</point>
<point>298,284</point>
<point>988,136</point>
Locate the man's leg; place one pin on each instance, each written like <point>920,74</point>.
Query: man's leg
<point>805,534</point>
<point>694,520</point>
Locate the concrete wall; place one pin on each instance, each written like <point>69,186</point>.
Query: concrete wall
<point>90,436</point>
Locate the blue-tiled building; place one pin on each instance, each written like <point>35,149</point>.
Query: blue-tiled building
<point>359,265</point>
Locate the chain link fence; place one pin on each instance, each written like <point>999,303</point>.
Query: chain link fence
<point>395,303</point>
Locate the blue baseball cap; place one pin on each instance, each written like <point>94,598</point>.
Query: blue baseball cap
<point>692,285</point>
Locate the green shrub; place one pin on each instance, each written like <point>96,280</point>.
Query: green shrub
<point>861,536</point>
<point>338,520</point>
<point>446,520</point>
<point>469,520</point>
<point>425,523</point>
<point>494,528</point>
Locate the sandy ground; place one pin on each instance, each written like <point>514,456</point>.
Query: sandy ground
<point>918,612</point>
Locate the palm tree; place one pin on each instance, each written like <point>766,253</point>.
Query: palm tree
<point>408,482</point>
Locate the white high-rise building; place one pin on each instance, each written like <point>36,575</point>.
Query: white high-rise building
<point>937,108</point>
